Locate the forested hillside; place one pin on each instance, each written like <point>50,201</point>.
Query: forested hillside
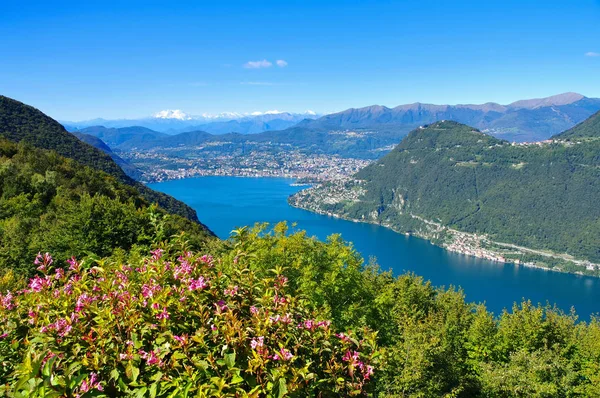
<point>20,122</point>
<point>51,203</point>
<point>96,142</point>
<point>589,128</point>
<point>541,196</point>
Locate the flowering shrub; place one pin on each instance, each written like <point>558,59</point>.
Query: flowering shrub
<point>173,324</point>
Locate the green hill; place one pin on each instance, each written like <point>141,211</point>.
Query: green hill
<point>450,176</point>
<point>588,128</point>
<point>20,122</point>
<point>96,142</point>
<point>51,203</point>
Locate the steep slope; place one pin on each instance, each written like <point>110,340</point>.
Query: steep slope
<point>96,142</point>
<point>538,196</point>
<point>20,122</point>
<point>49,203</point>
<point>589,128</point>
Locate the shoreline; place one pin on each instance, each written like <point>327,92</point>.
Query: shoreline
<point>494,257</point>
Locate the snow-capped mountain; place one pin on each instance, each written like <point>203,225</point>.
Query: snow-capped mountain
<point>178,121</point>
<point>172,114</point>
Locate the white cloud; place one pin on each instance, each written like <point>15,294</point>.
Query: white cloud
<point>258,64</point>
<point>281,63</point>
<point>592,54</point>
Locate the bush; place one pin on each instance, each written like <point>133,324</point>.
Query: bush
<point>173,324</point>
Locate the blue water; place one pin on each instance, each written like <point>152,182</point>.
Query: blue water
<point>224,203</point>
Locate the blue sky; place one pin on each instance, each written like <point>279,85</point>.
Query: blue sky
<point>86,59</point>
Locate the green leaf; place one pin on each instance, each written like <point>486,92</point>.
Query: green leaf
<point>280,388</point>
<point>230,360</point>
<point>236,379</point>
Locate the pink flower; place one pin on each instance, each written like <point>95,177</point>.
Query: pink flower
<point>163,315</point>
<point>3,335</point>
<point>157,254</point>
<point>151,358</point>
<point>60,273</point>
<point>183,339</point>
<point>221,306</point>
<point>343,337</point>
<point>280,282</point>
<point>73,264</point>
<point>7,301</point>
<point>324,324</point>
<point>257,342</point>
<point>90,383</point>
<point>184,269</point>
<point>254,310</point>
<point>283,354</point>
<point>232,291</point>
<point>352,357</point>
<point>148,290</point>
<point>195,284</point>
<point>278,300</point>
<point>286,355</point>
<point>82,301</point>
<point>367,372</point>
<point>207,259</point>
<point>43,261</point>
<point>37,284</point>
<point>32,317</point>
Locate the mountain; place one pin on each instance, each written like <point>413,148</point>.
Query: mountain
<point>525,120</point>
<point>176,121</point>
<point>474,193</point>
<point>590,128</point>
<point>20,122</point>
<point>96,142</point>
<point>253,124</point>
<point>50,203</point>
<point>113,137</point>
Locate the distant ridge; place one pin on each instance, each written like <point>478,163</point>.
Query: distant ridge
<point>524,120</point>
<point>560,99</point>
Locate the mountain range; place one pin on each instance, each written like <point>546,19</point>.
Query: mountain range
<point>524,120</point>
<point>176,121</point>
<point>378,127</point>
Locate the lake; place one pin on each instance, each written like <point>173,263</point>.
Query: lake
<point>224,203</point>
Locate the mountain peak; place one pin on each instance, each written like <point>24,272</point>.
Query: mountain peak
<point>560,99</point>
<point>172,114</point>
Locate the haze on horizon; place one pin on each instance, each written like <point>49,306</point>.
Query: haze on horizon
<point>84,60</point>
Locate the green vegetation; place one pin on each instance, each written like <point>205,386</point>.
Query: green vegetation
<point>588,128</point>
<point>537,196</point>
<point>277,314</point>
<point>20,122</point>
<point>50,203</point>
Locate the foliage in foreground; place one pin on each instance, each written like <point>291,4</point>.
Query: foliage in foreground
<point>254,320</point>
<point>178,324</point>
